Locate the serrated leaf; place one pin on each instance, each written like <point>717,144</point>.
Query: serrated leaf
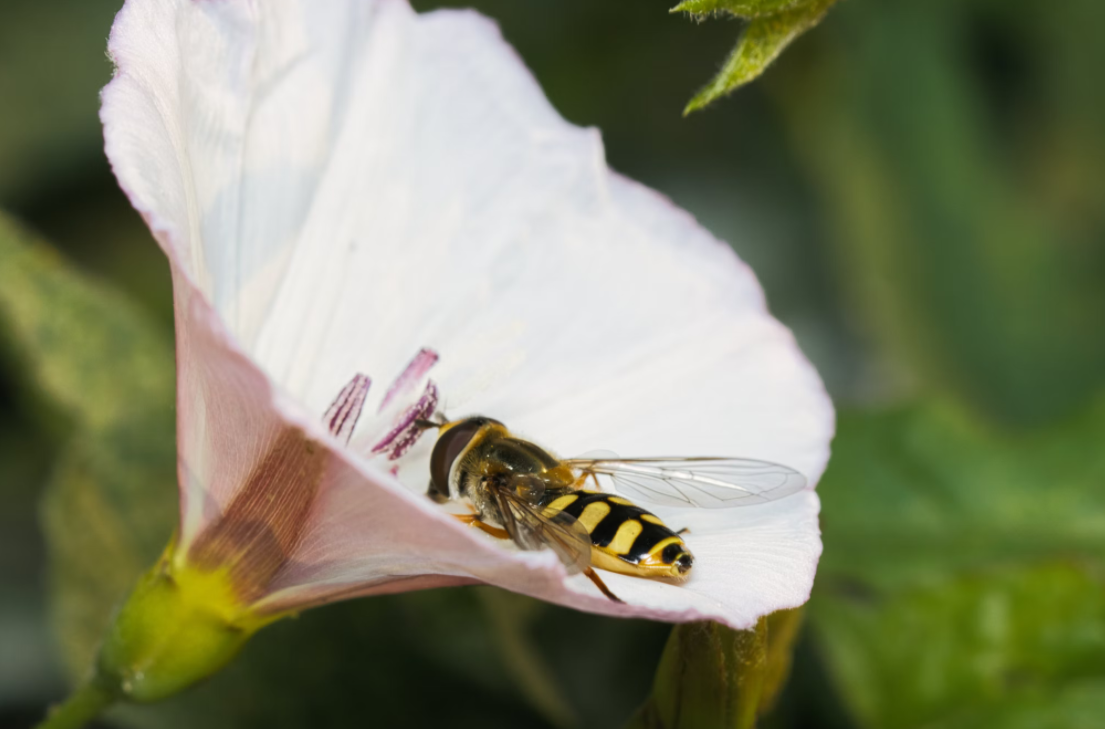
<point>763,39</point>
<point>738,8</point>
<point>963,569</point>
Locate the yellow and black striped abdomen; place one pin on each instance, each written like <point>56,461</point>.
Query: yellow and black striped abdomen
<point>624,537</point>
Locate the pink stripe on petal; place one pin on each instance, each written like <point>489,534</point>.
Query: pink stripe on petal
<point>406,432</point>
<point>419,366</point>
<point>341,418</point>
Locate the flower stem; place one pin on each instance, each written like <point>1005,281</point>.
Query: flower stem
<point>81,707</point>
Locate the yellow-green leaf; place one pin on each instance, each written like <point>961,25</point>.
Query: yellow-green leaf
<point>82,347</point>
<point>104,370</point>
<point>738,8</point>
<point>763,39</point>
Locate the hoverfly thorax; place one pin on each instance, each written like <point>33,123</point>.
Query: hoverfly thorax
<point>477,453</point>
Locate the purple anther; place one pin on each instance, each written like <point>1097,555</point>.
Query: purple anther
<point>415,371</point>
<point>406,431</point>
<point>343,414</point>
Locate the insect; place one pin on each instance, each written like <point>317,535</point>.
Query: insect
<point>519,491</point>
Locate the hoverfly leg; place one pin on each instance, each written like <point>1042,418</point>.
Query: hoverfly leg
<point>601,585</point>
<point>474,520</point>
<point>581,482</point>
<point>684,530</point>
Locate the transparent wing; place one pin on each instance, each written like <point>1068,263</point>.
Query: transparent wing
<point>704,483</point>
<point>531,529</point>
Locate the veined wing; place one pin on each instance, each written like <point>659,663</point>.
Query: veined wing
<point>704,483</point>
<point>531,529</point>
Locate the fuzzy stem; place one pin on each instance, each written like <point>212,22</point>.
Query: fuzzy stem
<point>82,706</point>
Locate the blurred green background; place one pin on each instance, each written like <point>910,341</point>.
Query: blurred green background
<point>920,186</point>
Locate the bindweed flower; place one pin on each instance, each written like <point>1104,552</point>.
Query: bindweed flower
<point>371,216</point>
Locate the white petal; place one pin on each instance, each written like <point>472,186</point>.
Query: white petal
<point>344,183</point>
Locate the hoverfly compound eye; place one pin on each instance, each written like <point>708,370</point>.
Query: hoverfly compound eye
<point>449,446</point>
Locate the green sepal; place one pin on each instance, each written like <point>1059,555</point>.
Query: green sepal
<point>178,626</point>
<point>763,39</point>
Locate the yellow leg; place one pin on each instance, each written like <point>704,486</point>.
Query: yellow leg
<point>474,520</point>
<point>581,482</point>
<point>600,584</point>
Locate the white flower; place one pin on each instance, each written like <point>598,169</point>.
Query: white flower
<point>341,184</point>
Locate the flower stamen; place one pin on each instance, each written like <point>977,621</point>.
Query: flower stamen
<point>406,431</point>
<point>414,372</point>
<point>343,414</point>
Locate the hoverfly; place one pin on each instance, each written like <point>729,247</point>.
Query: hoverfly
<point>519,491</point>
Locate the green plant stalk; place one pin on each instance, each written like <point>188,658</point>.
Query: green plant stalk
<point>84,705</point>
<point>178,626</point>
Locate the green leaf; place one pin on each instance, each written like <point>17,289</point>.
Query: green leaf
<point>763,39</point>
<point>83,348</point>
<point>964,570</point>
<point>104,372</point>
<point>738,8</point>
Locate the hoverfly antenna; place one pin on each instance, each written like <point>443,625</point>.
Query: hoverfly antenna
<point>423,424</point>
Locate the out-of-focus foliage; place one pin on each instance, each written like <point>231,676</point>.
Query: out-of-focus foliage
<point>770,28</point>
<point>72,333</point>
<point>967,200</point>
<point>713,677</point>
<point>964,570</point>
<point>106,373</point>
<point>51,70</point>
